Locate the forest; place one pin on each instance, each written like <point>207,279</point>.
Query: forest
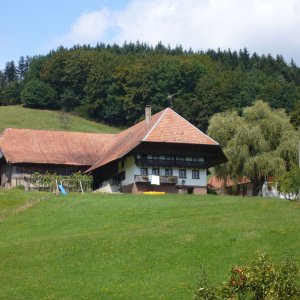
<point>112,83</point>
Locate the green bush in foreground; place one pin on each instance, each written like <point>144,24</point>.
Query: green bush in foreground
<point>260,280</point>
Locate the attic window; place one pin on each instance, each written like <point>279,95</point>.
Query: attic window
<point>169,157</point>
<point>155,157</point>
<point>180,158</point>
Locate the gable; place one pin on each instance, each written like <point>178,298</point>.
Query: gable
<point>165,127</point>
<point>172,128</point>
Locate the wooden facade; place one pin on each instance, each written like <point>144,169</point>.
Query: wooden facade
<point>12,175</point>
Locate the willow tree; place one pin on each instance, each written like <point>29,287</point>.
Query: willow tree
<point>259,143</point>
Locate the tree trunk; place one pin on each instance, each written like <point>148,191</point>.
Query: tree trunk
<point>257,186</point>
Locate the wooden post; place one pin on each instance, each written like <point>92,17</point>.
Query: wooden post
<point>57,190</point>
<point>81,187</point>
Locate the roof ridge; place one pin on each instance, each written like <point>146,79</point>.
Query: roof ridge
<point>55,130</point>
<point>155,124</point>
<point>194,126</point>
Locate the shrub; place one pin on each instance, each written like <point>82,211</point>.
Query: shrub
<point>72,182</point>
<point>259,280</point>
<point>20,187</point>
<point>289,183</point>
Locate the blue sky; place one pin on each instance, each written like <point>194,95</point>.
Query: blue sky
<point>35,27</point>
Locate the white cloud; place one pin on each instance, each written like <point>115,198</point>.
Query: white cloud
<point>88,28</point>
<point>264,26</point>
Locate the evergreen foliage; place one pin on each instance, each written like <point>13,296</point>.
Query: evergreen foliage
<point>295,116</point>
<point>112,83</point>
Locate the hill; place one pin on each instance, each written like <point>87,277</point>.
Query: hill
<point>112,84</point>
<point>17,116</point>
<point>96,246</point>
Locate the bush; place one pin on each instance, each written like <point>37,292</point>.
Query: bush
<point>260,280</point>
<point>20,187</point>
<point>289,183</point>
<point>48,181</point>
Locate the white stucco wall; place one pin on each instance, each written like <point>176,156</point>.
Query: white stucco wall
<point>188,180</point>
<point>131,169</point>
<point>193,182</point>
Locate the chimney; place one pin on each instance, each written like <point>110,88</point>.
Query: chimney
<point>148,114</point>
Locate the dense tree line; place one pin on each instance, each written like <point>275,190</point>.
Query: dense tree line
<point>112,83</point>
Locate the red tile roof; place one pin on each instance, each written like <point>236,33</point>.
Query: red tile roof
<point>96,150</point>
<point>172,128</point>
<point>165,127</point>
<point>52,147</point>
<point>125,141</point>
<point>217,183</point>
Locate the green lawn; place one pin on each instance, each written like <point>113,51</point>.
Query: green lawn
<point>136,247</point>
<point>17,116</point>
<point>15,200</point>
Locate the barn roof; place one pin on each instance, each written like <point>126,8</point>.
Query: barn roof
<point>52,147</point>
<point>217,183</point>
<point>95,150</point>
<point>165,127</point>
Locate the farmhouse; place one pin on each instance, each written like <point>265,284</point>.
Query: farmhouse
<point>164,152</point>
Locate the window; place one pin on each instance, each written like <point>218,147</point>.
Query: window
<point>155,171</point>
<point>168,172</point>
<point>195,158</point>
<point>169,157</point>
<point>180,158</point>
<point>195,174</point>
<point>144,171</point>
<point>155,157</point>
<point>182,173</point>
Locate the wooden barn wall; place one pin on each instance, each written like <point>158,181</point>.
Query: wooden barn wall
<point>13,175</point>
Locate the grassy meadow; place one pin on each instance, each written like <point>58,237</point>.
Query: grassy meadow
<point>17,116</point>
<point>97,246</point>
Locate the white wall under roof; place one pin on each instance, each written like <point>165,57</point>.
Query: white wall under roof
<point>131,170</point>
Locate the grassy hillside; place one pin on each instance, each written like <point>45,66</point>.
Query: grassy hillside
<point>136,247</point>
<point>19,117</point>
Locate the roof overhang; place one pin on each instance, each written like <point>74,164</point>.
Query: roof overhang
<point>213,154</point>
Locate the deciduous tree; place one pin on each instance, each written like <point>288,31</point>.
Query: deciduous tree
<point>259,143</point>
<point>36,93</point>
